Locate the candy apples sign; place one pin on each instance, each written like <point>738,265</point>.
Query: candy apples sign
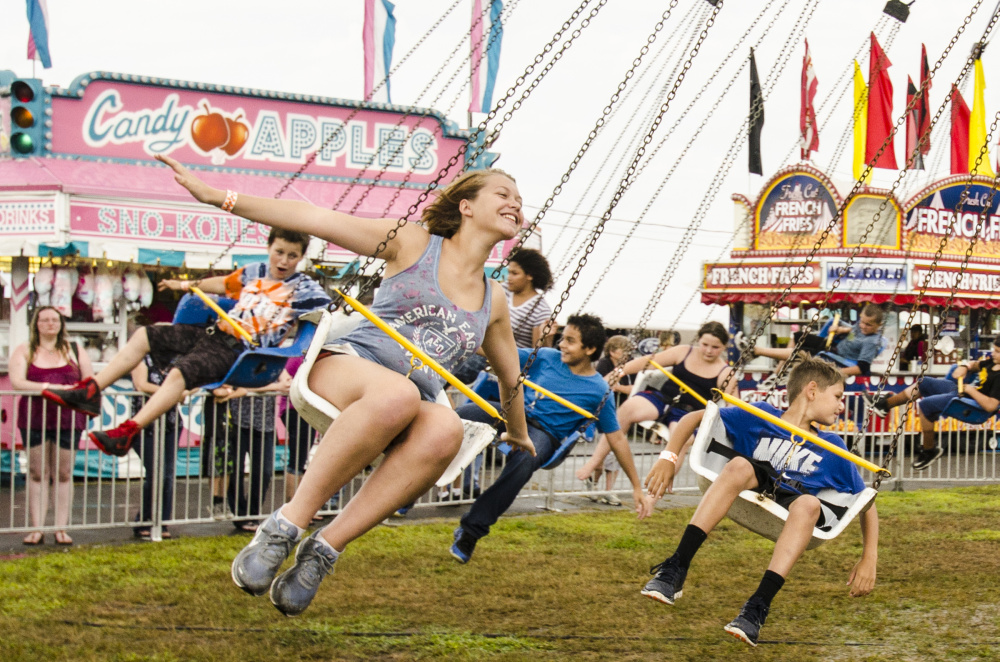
<point>127,118</point>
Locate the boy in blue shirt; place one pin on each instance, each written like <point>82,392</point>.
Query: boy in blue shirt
<point>567,372</point>
<point>763,464</point>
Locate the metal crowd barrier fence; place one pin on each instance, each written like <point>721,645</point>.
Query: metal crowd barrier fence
<point>240,460</point>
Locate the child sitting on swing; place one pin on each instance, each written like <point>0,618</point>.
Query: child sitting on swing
<point>270,297</point>
<point>764,464</point>
<point>434,292</point>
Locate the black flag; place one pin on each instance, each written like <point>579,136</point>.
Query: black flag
<point>756,117</point>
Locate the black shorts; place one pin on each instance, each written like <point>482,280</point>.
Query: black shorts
<point>34,437</point>
<point>203,355</point>
<point>782,495</point>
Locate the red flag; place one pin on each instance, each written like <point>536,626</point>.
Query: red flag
<point>959,133</point>
<point>807,114</point>
<point>879,110</point>
<point>923,105</point>
<point>914,158</point>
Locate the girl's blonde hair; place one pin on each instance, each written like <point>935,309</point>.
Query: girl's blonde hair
<point>442,216</point>
<point>616,342</point>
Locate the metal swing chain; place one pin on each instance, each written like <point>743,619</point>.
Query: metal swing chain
<point>690,18</point>
<point>442,173</point>
<point>398,148</point>
<point>720,173</point>
<point>628,148</point>
<point>759,327</point>
<point>623,186</point>
<point>981,220</point>
<point>591,136</point>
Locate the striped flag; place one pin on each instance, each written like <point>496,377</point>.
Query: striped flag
<point>379,36</point>
<point>492,43</point>
<point>807,115</point>
<point>38,36</point>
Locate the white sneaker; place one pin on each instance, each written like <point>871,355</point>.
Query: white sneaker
<point>743,344</point>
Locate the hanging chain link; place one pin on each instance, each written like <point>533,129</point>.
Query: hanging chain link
<point>623,186</point>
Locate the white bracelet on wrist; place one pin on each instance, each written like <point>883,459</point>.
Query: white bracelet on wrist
<point>669,456</point>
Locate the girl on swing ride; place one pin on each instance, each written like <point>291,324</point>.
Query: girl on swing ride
<point>435,292</point>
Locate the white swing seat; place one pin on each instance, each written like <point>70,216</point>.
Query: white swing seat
<point>320,413</point>
<point>751,509</point>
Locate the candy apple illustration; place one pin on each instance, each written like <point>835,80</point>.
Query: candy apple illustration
<point>209,130</point>
<point>238,134</point>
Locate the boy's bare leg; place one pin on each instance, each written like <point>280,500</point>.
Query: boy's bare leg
<point>795,535</point>
<point>736,476</point>
<point>124,361</point>
<point>927,433</point>
<point>166,398</point>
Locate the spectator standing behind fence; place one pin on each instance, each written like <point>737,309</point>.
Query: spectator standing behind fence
<point>252,431</point>
<point>299,438</point>
<point>48,358</point>
<point>146,377</point>
<point>615,354</point>
<point>215,460</point>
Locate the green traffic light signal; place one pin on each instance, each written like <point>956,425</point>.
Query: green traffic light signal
<point>22,143</point>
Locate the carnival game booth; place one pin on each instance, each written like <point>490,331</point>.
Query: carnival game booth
<point>90,220</point>
<point>777,232</point>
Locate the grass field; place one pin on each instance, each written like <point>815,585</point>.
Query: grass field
<point>542,587</point>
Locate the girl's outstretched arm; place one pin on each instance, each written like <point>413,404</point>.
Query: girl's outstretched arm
<point>358,235</point>
<point>501,351</point>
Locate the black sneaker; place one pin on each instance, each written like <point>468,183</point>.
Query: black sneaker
<point>926,457</point>
<point>746,627</point>
<point>463,546</point>
<point>666,586</point>
<point>879,406</point>
<point>84,397</point>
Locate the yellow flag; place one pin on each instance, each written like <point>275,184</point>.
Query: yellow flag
<point>977,126</point>
<point>860,123</point>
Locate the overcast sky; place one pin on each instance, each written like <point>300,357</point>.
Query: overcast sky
<point>314,47</point>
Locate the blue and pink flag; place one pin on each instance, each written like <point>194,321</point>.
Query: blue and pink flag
<point>38,37</point>
<point>492,42</point>
<point>379,36</point>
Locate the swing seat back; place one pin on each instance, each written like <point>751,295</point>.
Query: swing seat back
<point>320,413</point>
<point>967,410</point>
<point>567,444</point>
<point>262,366</point>
<point>641,383</point>
<point>192,310</point>
<point>711,451</point>
<point>837,360</point>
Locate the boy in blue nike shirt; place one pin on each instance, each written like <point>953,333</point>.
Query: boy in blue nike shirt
<point>815,392</point>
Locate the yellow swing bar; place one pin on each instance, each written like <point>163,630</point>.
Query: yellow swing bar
<point>833,329</point>
<point>222,315</point>
<point>684,387</point>
<point>561,400</point>
<point>420,354</point>
<point>807,436</point>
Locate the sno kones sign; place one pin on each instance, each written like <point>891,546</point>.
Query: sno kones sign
<point>949,208</point>
<point>135,118</point>
<point>794,209</point>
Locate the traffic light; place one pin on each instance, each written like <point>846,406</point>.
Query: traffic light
<point>27,117</point>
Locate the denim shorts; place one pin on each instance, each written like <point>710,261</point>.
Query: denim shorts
<point>935,394</point>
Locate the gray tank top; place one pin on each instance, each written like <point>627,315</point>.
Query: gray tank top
<point>412,303</point>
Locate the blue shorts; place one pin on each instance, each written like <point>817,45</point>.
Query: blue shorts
<point>935,394</point>
<point>666,413</point>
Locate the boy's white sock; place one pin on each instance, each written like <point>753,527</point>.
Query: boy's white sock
<point>322,541</point>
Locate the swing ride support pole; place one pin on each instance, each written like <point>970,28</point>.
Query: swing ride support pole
<point>684,387</point>
<point>222,314</point>
<point>806,436</point>
<point>421,355</point>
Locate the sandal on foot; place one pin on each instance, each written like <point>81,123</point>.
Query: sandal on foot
<point>248,526</point>
<point>62,538</point>
<point>34,538</point>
